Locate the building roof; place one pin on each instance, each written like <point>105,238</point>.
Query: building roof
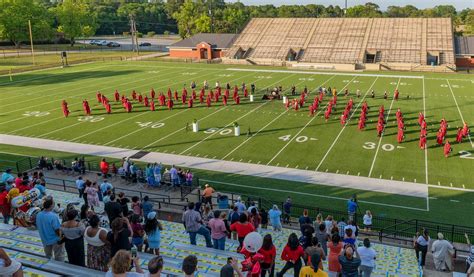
<point>221,41</point>
<point>464,46</point>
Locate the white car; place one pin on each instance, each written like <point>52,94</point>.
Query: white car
<point>102,43</point>
<point>93,42</point>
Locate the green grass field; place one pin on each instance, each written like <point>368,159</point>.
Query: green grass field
<point>31,107</point>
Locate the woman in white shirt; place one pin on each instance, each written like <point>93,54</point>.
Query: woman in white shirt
<point>98,250</point>
<point>367,221</point>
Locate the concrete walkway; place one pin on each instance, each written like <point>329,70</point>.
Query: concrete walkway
<point>289,174</point>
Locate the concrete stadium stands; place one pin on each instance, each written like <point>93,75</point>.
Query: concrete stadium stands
<point>25,245</point>
<point>404,43</point>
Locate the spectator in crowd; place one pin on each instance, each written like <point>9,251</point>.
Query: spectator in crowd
<point>307,237</point>
<point>421,246</point>
<point>98,250</point>
<point>264,216</point>
<point>329,223</point>
<point>7,176</point>
<point>113,209</point>
<point>470,270</point>
<point>367,221</point>
<point>107,196</point>
<point>5,206</point>
<point>41,187</point>
<point>232,266</point>
<point>153,230</point>
<point>304,219</point>
<point>189,266</point>
<point>24,186</point>
<point>367,257</point>
<point>470,257</point>
<point>91,191</point>
<point>443,252</point>
<point>9,266</point>
<point>73,235</point>
<point>193,223</point>
<point>352,207</point>
<point>287,211</point>
<point>349,237</point>
<point>120,265</point>
<point>49,226</point>
<point>268,251</point>
<point>207,195</point>
<point>323,237</point>
<point>123,200</point>
<point>349,263</point>
<point>136,206</point>
<point>207,214</point>
<point>80,185</point>
<point>234,216</point>
<point>105,186</point>
<point>313,269</point>
<point>255,218</point>
<point>218,231</point>
<point>252,205</point>
<point>137,232</point>
<point>104,168</point>
<point>157,173</point>
<point>118,237</point>
<point>147,206</point>
<point>242,227</point>
<point>318,221</point>
<point>275,218</point>
<point>335,247</point>
<point>314,248</point>
<point>240,205</point>
<point>150,175</point>
<point>341,226</point>
<point>189,178</point>
<point>155,266</point>
<point>351,225</point>
<point>292,254</point>
<point>174,176</point>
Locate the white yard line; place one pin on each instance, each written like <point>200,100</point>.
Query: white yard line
<point>345,125</point>
<point>306,125</point>
<point>381,136</point>
<point>264,127</point>
<point>310,194</point>
<point>459,110</point>
<point>326,73</point>
<point>227,125</point>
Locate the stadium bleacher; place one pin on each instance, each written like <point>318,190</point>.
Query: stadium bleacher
<point>25,245</point>
<point>415,41</point>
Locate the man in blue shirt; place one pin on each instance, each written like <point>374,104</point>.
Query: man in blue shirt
<point>352,208</point>
<point>103,188</point>
<point>80,186</point>
<point>48,226</point>
<point>287,211</point>
<point>147,206</point>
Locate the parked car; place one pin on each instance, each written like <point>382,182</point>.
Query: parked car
<point>145,44</point>
<point>102,43</point>
<point>94,42</point>
<point>113,44</point>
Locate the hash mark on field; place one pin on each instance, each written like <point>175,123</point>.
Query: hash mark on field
<point>414,180</point>
<point>278,164</point>
<point>214,157</point>
<point>455,201</point>
<point>327,170</point>
<point>249,161</point>
<point>451,184</point>
<point>287,165</point>
<point>240,160</point>
<point>306,168</point>
<point>358,173</point>
<point>380,177</point>
<point>347,173</point>
<point>259,162</point>
<point>337,171</point>
<point>232,159</point>
<point>391,177</point>
<point>439,184</point>
<point>463,186</point>
<point>296,166</point>
<point>403,179</point>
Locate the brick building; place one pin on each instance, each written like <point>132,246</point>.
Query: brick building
<point>464,52</point>
<point>202,46</point>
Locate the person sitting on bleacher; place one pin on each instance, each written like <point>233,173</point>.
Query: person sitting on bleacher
<point>155,266</point>
<point>9,266</point>
<point>121,263</point>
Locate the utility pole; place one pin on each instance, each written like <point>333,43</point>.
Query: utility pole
<point>133,30</point>
<point>31,42</point>
<point>211,16</point>
<point>345,8</point>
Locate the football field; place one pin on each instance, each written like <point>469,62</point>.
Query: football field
<point>270,134</point>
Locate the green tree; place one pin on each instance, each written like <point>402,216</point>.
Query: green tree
<point>192,18</point>
<point>75,19</point>
<point>367,10</point>
<point>469,23</point>
<point>14,16</point>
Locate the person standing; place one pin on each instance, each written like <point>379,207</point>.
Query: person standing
<point>98,250</point>
<point>335,247</point>
<point>193,224</point>
<point>287,211</point>
<point>73,233</point>
<point>313,269</point>
<point>49,226</point>
<point>147,206</point>
<point>268,251</point>
<point>442,251</point>
<point>367,256</point>
<point>153,230</point>
<point>113,209</point>
<point>303,220</point>
<point>349,263</point>
<point>275,218</point>
<point>207,195</point>
<point>157,173</point>
<point>119,236</point>
<point>80,185</point>
<point>174,176</point>
<point>352,208</point>
<point>218,231</point>
<point>292,254</point>
<point>421,246</point>
<point>120,265</point>
<point>367,221</point>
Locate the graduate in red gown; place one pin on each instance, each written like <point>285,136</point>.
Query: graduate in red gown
<point>194,94</point>
<point>439,137</point>
<point>152,93</point>
<point>224,100</point>
<point>400,135</point>
<point>361,124</point>
<point>145,101</point>
<point>176,95</point>
<point>117,96</point>
<point>216,97</point>
<point>183,98</point>
<point>169,93</point>
<point>99,97</point>
<point>128,106</point>
<point>134,95</point>
<point>343,119</point>
<point>201,97</point>
<point>311,111</point>
<point>246,92</point>
<point>421,117</point>
<point>380,127</point>
<point>152,105</point>
<point>422,142</point>
<point>447,149</point>
<point>236,91</point>
<point>237,100</point>
<point>423,124</point>
<point>140,98</point>
<point>226,93</point>
<point>65,108</point>
<point>465,130</point>
<point>459,136</point>
<point>85,106</point>
<point>190,102</point>
<point>170,104</point>
<point>327,113</point>
<point>108,108</point>
<point>395,94</point>
<point>162,99</point>
<point>398,114</point>
<point>208,101</point>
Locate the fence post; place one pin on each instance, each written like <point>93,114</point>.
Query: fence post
<point>17,167</point>
<point>64,185</point>
<point>452,233</point>
<point>259,203</point>
<point>31,164</point>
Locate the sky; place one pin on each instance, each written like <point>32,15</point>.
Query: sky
<point>421,4</point>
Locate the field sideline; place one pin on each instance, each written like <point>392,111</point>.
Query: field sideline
<point>277,137</point>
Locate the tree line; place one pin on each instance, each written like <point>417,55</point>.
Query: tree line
<point>84,18</point>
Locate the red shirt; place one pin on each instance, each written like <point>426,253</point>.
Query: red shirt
<point>292,255</point>
<point>268,255</point>
<point>242,229</point>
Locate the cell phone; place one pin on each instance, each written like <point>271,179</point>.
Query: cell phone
<point>133,252</point>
